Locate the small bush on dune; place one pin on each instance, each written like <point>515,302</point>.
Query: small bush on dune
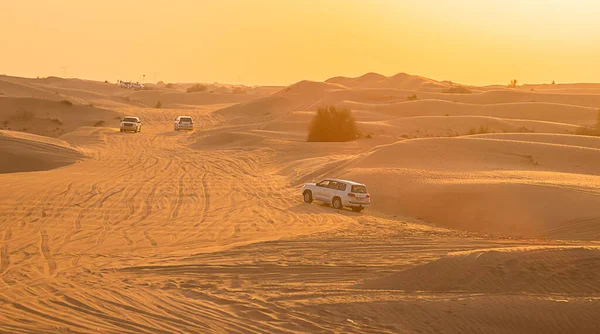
<point>457,90</point>
<point>585,131</point>
<point>513,83</point>
<point>412,97</point>
<point>24,115</point>
<point>57,121</point>
<point>332,125</point>
<point>238,90</point>
<point>67,103</point>
<point>481,130</point>
<point>99,123</point>
<point>169,85</point>
<point>158,105</point>
<point>196,88</point>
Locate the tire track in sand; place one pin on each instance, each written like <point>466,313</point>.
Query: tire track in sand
<point>45,250</point>
<point>206,203</point>
<point>4,255</point>
<point>177,207</point>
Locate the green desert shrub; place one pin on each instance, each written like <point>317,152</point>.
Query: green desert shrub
<point>332,125</point>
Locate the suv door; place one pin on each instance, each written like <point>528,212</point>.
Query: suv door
<point>320,190</point>
<point>332,190</point>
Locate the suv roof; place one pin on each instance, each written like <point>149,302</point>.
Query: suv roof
<point>184,116</point>
<point>132,117</point>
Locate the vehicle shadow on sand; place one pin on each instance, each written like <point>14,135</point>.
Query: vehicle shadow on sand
<point>317,207</point>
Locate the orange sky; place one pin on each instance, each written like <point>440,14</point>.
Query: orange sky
<point>284,41</point>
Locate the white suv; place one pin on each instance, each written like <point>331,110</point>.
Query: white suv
<point>130,123</point>
<point>338,193</point>
<point>184,123</point>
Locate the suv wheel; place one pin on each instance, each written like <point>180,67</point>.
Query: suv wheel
<point>337,203</point>
<point>308,196</point>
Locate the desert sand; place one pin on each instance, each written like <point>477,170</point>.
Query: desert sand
<point>485,215</point>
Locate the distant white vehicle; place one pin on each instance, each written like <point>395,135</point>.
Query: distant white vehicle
<point>131,123</point>
<point>338,193</point>
<point>184,123</point>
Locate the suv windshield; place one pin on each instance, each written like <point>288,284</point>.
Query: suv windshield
<point>129,119</point>
<point>185,119</point>
<point>359,189</point>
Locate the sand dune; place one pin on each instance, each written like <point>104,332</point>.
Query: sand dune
<point>398,81</point>
<point>532,270</point>
<point>51,118</point>
<point>206,232</point>
<point>467,182</point>
<point>549,112</point>
<point>25,152</point>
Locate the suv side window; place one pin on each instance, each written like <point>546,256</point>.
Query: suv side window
<point>323,183</point>
<point>341,186</point>
<point>333,185</point>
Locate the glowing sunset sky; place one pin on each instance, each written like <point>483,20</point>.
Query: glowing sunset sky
<point>280,42</point>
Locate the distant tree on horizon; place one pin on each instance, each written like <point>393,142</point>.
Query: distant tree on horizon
<point>554,83</point>
<point>513,83</point>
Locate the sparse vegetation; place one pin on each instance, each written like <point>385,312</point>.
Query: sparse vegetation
<point>196,88</point>
<point>169,85</point>
<point>106,81</point>
<point>67,103</point>
<point>239,90</point>
<point>99,123</point>
<point>458,90</point>
<point>158,105</point>
<point>513,83</point>
<point>412,97</point>
<point>333,125</point>
<point>24,115</point>
<point>57,121</point>
<point>585,131</point>
<point>160,83</point>
<point>90,105</point>
<point>477,131</point>
<point>524,130</point>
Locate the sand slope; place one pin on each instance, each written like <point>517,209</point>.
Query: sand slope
<point>469,182</point>
<point>532,270</point>
<point>24,152</point>
<point>51,118</point>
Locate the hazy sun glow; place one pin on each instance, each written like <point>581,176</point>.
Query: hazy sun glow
<point>280,42</point>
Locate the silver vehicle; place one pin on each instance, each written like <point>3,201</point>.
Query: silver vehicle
<point>184,123</point>
<point>131,123</point>
<point>338,193</point>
